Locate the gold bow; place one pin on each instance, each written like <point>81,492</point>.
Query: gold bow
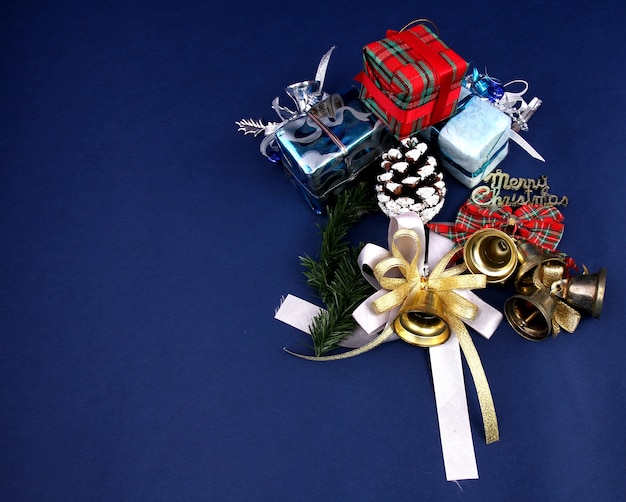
<point>402,278</point>
<point>564,317</point>
<point>441,280</point>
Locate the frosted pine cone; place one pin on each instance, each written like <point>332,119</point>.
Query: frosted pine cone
<point>410,181</point>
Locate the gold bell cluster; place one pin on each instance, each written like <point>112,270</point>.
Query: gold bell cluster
<point>547,300</point>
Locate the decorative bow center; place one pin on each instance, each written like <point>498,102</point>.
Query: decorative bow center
<point>512,220</point>
<point>400,275</point>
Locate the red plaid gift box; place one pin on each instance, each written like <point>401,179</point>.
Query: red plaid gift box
<point>411,79</point>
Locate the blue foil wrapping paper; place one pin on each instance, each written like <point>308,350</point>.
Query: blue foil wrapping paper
<point>328,147</point>
<point>473,141</point>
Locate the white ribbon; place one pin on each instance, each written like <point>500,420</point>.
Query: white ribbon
<point>515,136</point>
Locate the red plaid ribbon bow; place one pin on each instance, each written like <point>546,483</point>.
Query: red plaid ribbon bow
<point>538,225</point>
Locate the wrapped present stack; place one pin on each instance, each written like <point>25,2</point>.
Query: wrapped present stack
<point>418,115</point>
<point>412,84</point>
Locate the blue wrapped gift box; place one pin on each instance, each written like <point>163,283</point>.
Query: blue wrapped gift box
<point>325,149</point>
<point>473,141</point>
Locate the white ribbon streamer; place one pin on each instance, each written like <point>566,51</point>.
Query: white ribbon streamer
<point>525,145</point>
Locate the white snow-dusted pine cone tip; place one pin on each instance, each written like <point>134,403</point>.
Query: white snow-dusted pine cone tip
<point>410,181</point>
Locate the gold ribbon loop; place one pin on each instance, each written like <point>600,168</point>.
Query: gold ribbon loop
<point>458,306</point>
<point>564,317</point>
<point>545,274</point>
<point>441,267</point>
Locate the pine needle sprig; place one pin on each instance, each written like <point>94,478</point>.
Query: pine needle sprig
<point>336,275</point>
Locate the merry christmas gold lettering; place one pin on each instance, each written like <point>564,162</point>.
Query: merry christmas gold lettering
<point>531,191</point>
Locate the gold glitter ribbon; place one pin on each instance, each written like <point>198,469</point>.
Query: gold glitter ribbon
<point>402,278</point>
<point>441,280</point>
<point>565,317</point>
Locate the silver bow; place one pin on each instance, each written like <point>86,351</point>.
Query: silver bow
<point>305,95</point>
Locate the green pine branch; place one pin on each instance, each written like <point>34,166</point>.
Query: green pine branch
<point>335,275</point>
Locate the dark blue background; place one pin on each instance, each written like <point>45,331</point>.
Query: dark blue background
<point>146,244</point>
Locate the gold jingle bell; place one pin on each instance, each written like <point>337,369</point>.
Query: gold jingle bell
<point>422,323</point>
<point>530,257</point>
<point>583,292</point>
<point>491,252</point>
<point>531,316</point>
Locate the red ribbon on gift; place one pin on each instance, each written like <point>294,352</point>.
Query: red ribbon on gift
<point>541,226</point>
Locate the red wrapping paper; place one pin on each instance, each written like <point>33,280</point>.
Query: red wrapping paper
<point>411,80</point>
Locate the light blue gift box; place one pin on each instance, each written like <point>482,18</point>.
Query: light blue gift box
<point>473,141</point>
